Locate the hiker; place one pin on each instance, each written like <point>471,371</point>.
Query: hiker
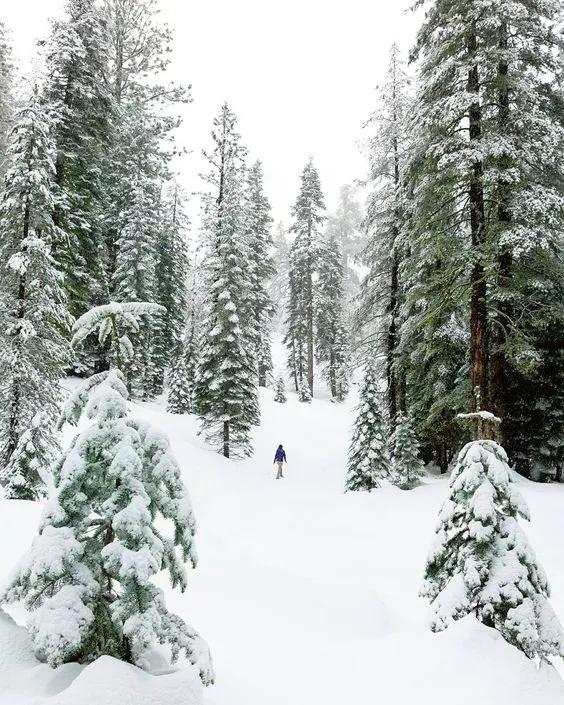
<point>279,460</point>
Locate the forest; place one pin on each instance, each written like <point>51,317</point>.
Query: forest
<point>421,319</point>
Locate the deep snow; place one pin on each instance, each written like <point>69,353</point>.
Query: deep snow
<point>307,596</point>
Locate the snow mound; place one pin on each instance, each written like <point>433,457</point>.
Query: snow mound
<point>107,681</point>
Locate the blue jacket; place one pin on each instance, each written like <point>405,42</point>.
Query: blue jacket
<point>280,456</point>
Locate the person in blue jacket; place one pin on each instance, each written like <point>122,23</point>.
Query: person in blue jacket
<point>279,460</point>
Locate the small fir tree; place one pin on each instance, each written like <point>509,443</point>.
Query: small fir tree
<point>181,380</point>
<point>29,467</point>
<point>304,394</point>
<point>368,461</point>
<point>407,466</point>
<point>280,393</point>
<point>482,563</point>
<point>88,578</point>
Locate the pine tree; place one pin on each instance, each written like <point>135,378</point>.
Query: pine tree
<point>137,219</point>
<point>279,282</point>
<point>406,464</point>
<point>304,395</point>
<point>25,475</point>
<point>180,387</point>
<point>225,395</point>
<point>308,215</point>
<point>33,316</point>
<point>77,97</point>
<point>6,97</point>
<point>381,292</point>
<point>116,478</point>
<point>259,222</point>
<point>346,226</point>
<point>368,461</point>
<point>486,165</point>
<point>481,562</point>
<point>331,336</point>
<point>280,393</point>
<point>183,374</point>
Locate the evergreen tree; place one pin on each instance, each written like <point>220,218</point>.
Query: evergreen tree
<point>137,220</point>
<point>481,562</point>
<point>183,373</point>
<point>171,283</point>
<point>225,395</point>
<point>406,465</point>
<point>304,395</point>
<point>279,282</point>
<point>346,226</point>
<point>486,166</point>
<point>381,293</point>
<point>368,461</point>
<point>33,316</point>
<point>280,393</point>
<point>26,472</point>
<point>116,478</point>
<point>6,97</point>
<point>180,387</point>
<point>261,268</point>
<point>331,336</point>
<point>308,215</point>
<point>81,106</point>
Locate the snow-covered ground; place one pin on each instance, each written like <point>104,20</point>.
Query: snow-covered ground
<point>307,596</point>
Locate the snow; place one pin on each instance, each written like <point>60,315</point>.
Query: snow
<point>305,594</point>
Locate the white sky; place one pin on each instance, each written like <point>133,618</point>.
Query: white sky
<point>300,74</point>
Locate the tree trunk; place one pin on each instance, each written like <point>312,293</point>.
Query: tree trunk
<point>226,439</point>
<point>478,310</point>
<point>332,375</point>
<point>500,363</point>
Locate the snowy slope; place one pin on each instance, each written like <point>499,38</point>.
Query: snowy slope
<point>307,596</point>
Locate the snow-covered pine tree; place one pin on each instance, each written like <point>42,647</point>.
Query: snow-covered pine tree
<point>482,563</point>
<point>304,395</point>
<point>28,469</point>
<point>225,394</point>
<point>308,213</point>
<point>142,145</point>
<point>381,291</point>
<point>278,285</point>
<point>6,97</point>
<point>80,103</point>
<point>117,477</point>
<point>171,273</point>
<point>180,387</point>
<point>33,315</point>
<point>406,465</point>
<point>280,393</point>
<point>489,132</point>
<point>259,223</point>
<point>368,460</point>
<point>135,268</point>
<point>331,336</point>
<point>346,226</point>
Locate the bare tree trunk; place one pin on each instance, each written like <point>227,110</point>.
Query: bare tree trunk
<point>478,310</point>
<point>226,439</point>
